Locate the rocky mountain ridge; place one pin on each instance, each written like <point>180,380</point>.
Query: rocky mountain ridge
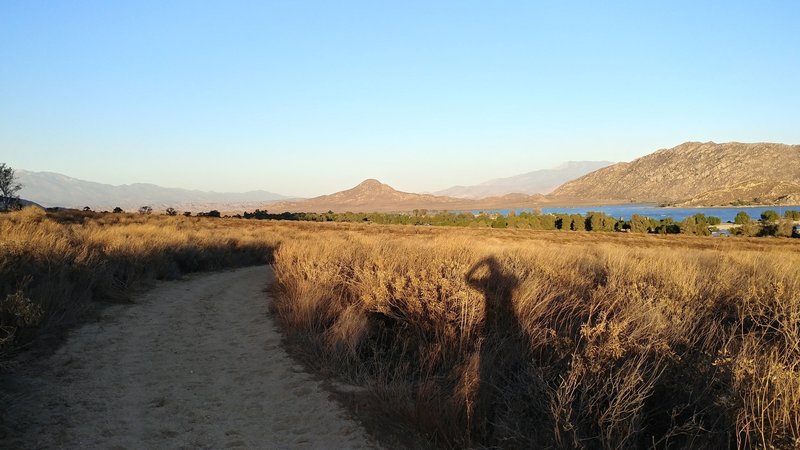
<point>697,174</point>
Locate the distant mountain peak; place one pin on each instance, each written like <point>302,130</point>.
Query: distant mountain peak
<point>369,190</point>
<point>537,182</point>
<point>371,195</point>
<point>372,183</point>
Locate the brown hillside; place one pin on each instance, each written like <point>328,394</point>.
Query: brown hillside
<point>698,174</point>
<point>749,192</point>
<point>374,196</point>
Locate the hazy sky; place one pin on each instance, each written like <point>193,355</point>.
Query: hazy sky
<point>306,98</point>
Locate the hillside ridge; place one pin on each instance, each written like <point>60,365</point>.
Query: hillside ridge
<point>373,196</point>
<point>735,172</point>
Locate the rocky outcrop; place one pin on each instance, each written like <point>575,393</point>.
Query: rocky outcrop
<point>700,174</point>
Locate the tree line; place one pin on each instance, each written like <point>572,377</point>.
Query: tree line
<point>770,223</point>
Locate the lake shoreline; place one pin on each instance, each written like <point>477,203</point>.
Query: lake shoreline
<point>653,211</point>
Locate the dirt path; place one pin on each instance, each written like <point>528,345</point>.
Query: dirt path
<point>195,363</point>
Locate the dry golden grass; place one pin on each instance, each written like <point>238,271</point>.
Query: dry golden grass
<point>521,340</point>
<point>53,267</point>
<point>485,337</point>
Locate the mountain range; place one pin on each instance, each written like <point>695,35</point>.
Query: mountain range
<point>690,174</point>
<point>536,182</point>
<point>53,189</point>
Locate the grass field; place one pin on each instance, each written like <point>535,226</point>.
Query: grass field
<point>554,340</point>
<point>507,338</point>
<point>55,268</point>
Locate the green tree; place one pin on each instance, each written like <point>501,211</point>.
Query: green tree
<point>543,222</point>
<point>741,218</point>
<point>171,211</point>
<point>8,188</point>
<point>668,226</point>
<point>562,221</point>
<point>118,210</point>
<point>769,225</point>
<point>640,224</point>
<point>145,210</point>
<point>792,214</point>
<point>769,216</point>
<point>500,222</point>
<point>696,225</point>
<point>577,223</point>
<point>598,221</point>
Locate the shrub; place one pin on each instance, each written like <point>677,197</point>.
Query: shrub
<point>640,224</point>
<point>598,221</point>
<point>696,225</point>
<point>747,229</point>
<point>667,226</point>
<point>741,218</point>
<point>769,216</point>
<point>577,223</point>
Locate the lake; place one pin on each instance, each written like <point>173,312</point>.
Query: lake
<point>656,212</point>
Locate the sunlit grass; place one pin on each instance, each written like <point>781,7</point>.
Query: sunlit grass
<point>539,340</point>
<point>510,338</point>
<point>55,267</point>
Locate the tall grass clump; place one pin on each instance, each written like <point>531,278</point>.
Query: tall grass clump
<point>53,267</point>
<point>480,340</point>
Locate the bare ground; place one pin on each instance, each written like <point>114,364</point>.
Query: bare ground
<point>195,363</point>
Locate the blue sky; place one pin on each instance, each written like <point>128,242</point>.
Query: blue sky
<point>305,98</point>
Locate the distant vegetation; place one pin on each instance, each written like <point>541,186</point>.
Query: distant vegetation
<point>9,187</point>
<point>698,224</point>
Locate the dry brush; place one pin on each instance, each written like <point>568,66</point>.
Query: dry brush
<point>56,267</point>
<point>520,341</point>
<point>506,338</point>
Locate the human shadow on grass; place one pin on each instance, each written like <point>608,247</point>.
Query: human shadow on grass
<point>504,351</point>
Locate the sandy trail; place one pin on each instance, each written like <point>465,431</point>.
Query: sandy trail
<point>195,363</point>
